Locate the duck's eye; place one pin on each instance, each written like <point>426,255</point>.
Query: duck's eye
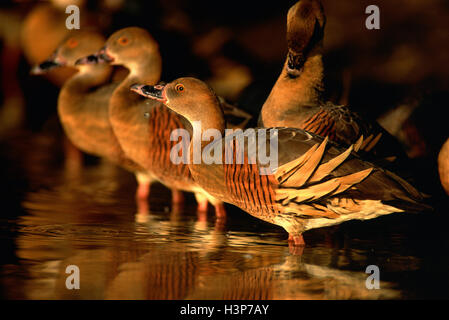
<point>123,41</point>
<point>72,43</point>
<point>179,87</point>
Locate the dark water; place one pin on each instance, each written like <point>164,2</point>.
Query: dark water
<point>54,217</point>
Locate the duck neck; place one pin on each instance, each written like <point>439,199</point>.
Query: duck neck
<point>207,127</point>
<point>292,91</point>
<point>82,83</point>
<point>147,71</point>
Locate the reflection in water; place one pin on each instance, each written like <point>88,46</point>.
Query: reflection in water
<point>88,219</point>
<point>89,222</point>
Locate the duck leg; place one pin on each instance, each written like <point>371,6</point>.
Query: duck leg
<point>177,203</point>
<point>203,204</point>
<point>143,190</point>
<point>296,244</point>
<point>143,185</point>
<point>143,210</point>
<point>177,197</point>
<point>295,250</point>
<point>142,193</point>
<point>73,156</point>
<point>296,240</point>
<point>220,211</point>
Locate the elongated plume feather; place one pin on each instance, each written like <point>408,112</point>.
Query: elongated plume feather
<point>358,144</point>
<point>373,143</point>
<point>303,173</point>
<point>311,193</point>
<point>286,170</point>
<point>328,188</point>
<point>325,169</point>
<point>365,143</point>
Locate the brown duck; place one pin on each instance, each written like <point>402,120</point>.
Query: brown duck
<point>315,183</point>
<point>146,139</point>
<point>296,99</point>
<point>83,103</point>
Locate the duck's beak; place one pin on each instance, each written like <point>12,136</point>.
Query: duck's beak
<point>104,56</point>
<point>46,66</point>
<point>90,59</point>
<point>295,62</point>
<point>151,92</point>
<point>99,57</point>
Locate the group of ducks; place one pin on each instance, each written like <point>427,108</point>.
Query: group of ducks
<point>321,178</point>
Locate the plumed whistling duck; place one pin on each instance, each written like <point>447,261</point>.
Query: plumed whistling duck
<point>146,140</point>
<point>443,166</point>
<point>296,98</point>
<point>83,103</point>
<point>315,183</point>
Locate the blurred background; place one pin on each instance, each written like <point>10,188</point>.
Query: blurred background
<point>398,75</point>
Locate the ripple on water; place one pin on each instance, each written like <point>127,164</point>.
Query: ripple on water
<point>89,220</point>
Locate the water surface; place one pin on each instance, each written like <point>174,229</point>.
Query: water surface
<point>55,216</point>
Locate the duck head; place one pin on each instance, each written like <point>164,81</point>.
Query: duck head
<point>305,30</point>
<point>187,96</point>
<point>77,45</point>
<point>129,47</point>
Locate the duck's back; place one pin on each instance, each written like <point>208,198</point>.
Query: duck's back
<point>342,126</point>
<point>380,184</point>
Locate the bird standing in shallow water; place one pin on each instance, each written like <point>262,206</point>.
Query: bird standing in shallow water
<point>83,103</point>
<point>146,139</point>
<point>296,99</point>
<point>315,184</point>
